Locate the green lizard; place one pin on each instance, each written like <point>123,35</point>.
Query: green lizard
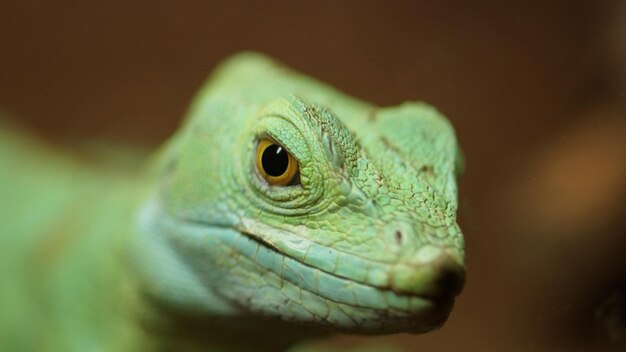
<point>282,209</point>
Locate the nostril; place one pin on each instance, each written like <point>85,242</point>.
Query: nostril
<point>398,237</point>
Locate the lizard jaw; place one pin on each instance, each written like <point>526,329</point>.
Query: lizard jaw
<point>401,310</point>
<point>297,291</point>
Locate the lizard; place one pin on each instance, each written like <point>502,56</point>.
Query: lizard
<point>282,209</point>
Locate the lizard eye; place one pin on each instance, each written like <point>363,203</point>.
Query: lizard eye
<point>275,164</point>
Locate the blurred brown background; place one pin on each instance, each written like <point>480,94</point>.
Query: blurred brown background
<point>536,91</point>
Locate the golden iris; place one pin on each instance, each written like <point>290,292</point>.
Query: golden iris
<point>275,163</point>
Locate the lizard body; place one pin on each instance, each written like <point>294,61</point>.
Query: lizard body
<point>357,234</point>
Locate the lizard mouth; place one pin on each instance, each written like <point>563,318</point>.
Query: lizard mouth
<point>389,310</point>
<point>351,305</point>
<point>450,281</point>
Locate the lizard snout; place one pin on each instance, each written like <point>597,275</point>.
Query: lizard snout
<point>433,272</point>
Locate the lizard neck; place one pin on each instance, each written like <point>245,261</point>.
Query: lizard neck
<point>177,331</point>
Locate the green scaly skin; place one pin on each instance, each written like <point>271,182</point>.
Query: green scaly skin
<point>201,252</point>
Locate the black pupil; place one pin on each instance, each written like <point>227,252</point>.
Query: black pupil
<point>275,160</point>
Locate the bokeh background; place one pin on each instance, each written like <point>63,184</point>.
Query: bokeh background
<point>536,91</point>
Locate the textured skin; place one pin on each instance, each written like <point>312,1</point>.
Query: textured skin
<point>367,242</point>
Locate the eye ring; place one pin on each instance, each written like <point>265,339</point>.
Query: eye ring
<point>275,164</point>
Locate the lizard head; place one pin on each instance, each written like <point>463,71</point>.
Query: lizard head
<point>335,213</point>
